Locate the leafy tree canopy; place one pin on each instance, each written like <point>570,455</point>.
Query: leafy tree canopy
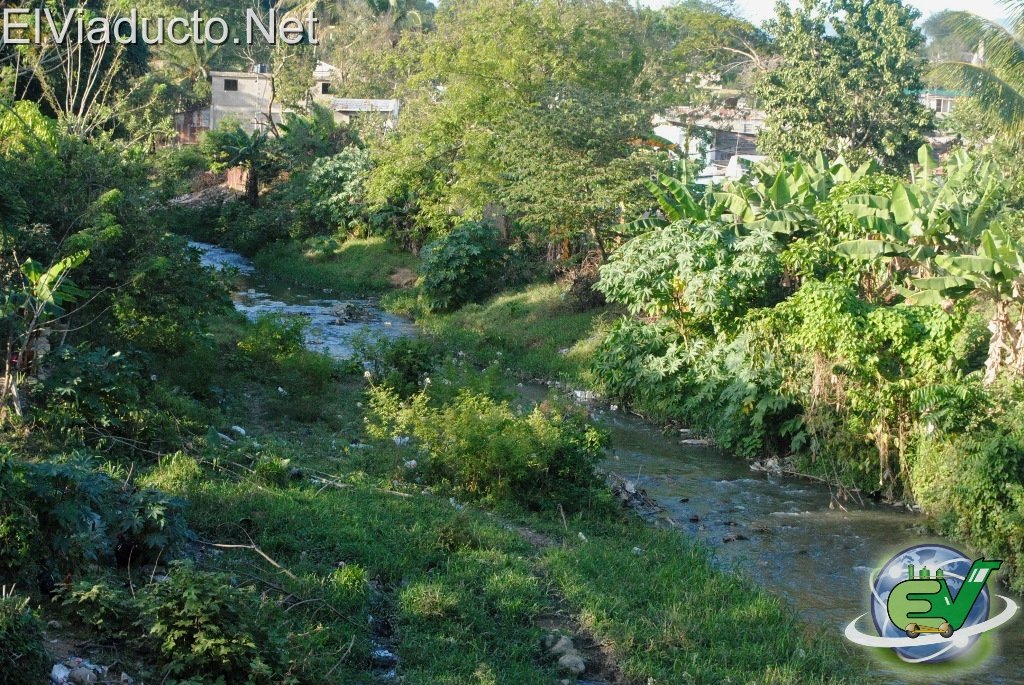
<point>847,81</point>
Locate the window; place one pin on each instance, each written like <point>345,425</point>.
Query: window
<point>325,88</point>
<point>230,84</point>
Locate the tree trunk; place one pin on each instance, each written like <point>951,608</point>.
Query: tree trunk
<point>252,187</point>
<point>999,346</point>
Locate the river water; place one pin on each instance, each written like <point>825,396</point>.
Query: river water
<point>787,533</point>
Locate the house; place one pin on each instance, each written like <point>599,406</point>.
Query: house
<point>939,101</point>
<point>248,98</point>
<point>717,136</point>
<point>346,109</point>
<point>190,124</point>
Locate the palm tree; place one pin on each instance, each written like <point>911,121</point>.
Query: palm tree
<point>994,77</point>
<point>234,147</point>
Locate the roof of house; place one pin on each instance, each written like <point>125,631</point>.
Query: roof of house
<point>237,74</point>
<point>363,105</point>
<point>323,71</point>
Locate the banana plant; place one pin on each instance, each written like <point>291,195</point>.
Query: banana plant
<point>930,215</point>
<point>993,273</point>
<point>781,197</point>
<point>676,200</point>
<point>26,311</point>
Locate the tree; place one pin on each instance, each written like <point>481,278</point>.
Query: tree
<point>86,85</point>
<point>232,146</point>
<point>695,42</point>
<point>847,81</point>
<point>526,106</point>
<point>994,76</point>
<point>944,239</point>
<point>945,43</point>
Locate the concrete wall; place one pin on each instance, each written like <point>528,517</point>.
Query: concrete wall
<point>248,105</point>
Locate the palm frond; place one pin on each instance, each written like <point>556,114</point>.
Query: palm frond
<point>1001,96</point>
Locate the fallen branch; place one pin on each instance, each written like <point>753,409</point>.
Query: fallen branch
<point>252,548</point>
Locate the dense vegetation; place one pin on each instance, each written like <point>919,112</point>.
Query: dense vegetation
<point>205,498</point>
<point>856,323</point>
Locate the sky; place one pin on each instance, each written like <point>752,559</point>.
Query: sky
<point>759,10</point>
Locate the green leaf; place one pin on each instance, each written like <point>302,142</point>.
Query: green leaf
<point>737,205</point>
<point>925,159</point>
<point>871,249</point>
<point>905,203</point>
<point>927,297</point>
<point>968,265</point>
<point>944,284</point>
<point>780,194</point>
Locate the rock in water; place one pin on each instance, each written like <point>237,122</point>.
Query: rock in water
<point>82,676</point>
<point>563,645</point>
<point>572,663</point>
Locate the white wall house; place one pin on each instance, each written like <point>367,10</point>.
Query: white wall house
<point>723,139</point>
<point>939,101</point>
<point>246,97</point>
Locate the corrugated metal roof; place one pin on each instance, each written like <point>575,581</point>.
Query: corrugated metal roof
<point>357,105</point>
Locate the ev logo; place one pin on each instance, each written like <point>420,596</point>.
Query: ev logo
<point>929,603</point>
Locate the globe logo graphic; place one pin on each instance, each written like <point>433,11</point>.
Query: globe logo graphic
<point>954,567</point>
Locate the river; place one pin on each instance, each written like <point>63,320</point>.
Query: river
<point>787,533</point>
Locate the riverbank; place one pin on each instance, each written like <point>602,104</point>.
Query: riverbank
<point>643,604</point>
<point>538,332</point>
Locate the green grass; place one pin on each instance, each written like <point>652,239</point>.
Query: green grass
<point>459,591</point>
<point>463,590</point>
<point>668,616</point>
<point>536,330</point>
<point>462,595</point>
<point>357,267</point>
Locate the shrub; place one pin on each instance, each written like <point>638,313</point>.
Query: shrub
<point>177,167</point>
<point>18,527</point>
<point>149,524</point>
<point>401,364</point>
<point>101,605</point>
<point>201,626</point>
<point>249,229</point>
<point>337,188</point>
<point>973,484</point>
<point>464,266</point>
<point>273,337</point>
<point>72,515</point>
<point>482,449</point>
<point>704,276</point>
<point>96,397</point>
<point>23,660</point>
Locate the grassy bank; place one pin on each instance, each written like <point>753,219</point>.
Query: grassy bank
<point>464,594</point>
<point>537,332</point>
<point>335,549</point>
<point>358,267</point>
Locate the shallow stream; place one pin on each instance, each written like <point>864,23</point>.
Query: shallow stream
<point>787,533</point>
